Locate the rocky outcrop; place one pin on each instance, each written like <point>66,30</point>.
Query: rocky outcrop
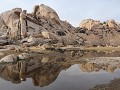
<point>96,33</point>
<point>89,24</point>
<point>43,23</point>
<point>45,11</point>
<point>11,22</point>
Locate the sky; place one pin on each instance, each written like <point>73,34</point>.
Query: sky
<point>74,11</point>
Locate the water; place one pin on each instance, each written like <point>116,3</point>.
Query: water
<point>66,71</point>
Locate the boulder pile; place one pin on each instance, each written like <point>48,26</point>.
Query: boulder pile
<point>43,26</point>
<point>96,33</point>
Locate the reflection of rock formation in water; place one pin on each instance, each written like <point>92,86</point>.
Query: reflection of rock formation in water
<point>96,61</point>
<point>47,74</point>
<point>42,73</point>
<point>44,69</point>
<point>9,73</point>
<point>113,85</point>
<point>108,64</point>
<point>90,67</point>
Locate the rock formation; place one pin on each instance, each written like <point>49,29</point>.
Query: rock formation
<point>42,23</point>
<point>96,33</point>
<point>45,26</point>
<point>44,69</point>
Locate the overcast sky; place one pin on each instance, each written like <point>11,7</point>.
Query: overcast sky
<point>73,11</point>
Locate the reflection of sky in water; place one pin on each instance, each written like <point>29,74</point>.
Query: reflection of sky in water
<point>70,79</point>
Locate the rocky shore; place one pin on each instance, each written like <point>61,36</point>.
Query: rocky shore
<point>25,34</point>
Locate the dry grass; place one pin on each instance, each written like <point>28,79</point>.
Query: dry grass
<point>107,48</point>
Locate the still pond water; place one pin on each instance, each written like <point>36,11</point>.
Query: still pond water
<point>68,71</point>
